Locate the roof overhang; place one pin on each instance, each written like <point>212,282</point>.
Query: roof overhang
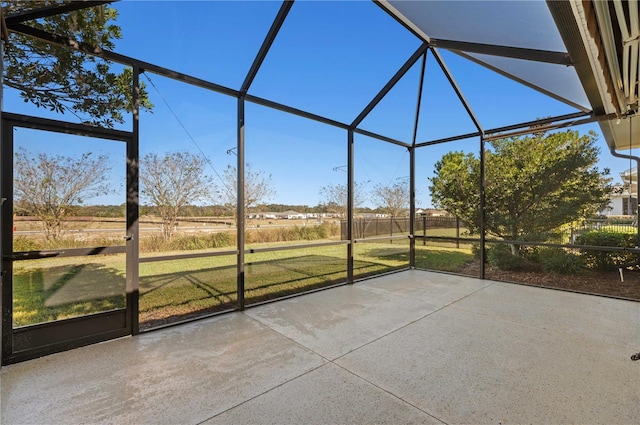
<point>603,38</point>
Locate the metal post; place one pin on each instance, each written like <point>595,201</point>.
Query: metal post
<point>457,232</point>
<point>424,230</point>
<point>132,211</point>
<point>412,169</point>
<point>5,161</point>
<point>350,188</point>
<point>6,192</point>
<point>240,205</point>
<point>412,207</point>
<point>637,210</point>
<point>482,208</point>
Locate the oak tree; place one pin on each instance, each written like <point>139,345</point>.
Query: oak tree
<point>337,195</point>
<point>392,198</point>
<point>533,184</point>
<point>171,182</point>
<point>50,186</point>
<point>258,187</point>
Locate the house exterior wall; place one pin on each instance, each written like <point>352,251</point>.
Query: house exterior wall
<point>619,205</point>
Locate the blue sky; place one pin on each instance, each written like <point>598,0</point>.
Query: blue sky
<point>330,58</point>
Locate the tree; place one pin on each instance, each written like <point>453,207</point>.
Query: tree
<point>49,186</point>
<point>393,199</point>
<point>64,80</point>
<point>171,182</point>
<point>533,184</point>
<point>258,187</point>
<point>336,196</point>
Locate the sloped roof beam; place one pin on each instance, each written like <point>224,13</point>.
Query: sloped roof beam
<point>122,59</point>
<point>542,128</point>
<point>419,102</point>
<point>392,82</point>
<point>455,87</point>
<point>540,121</point>
<point>548,56</point>
<point>266,45</point>
<point>576,118</point>
<point>524,82</point>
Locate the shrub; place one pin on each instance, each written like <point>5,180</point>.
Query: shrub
<point>475,250</point>
<point>187,242</point>
<point>500,256</point>
<point>23,243</point>
<point>201,241</point>
<point>152,243</point>
<point>603,260</point>
<point>293,233</point>
<point>558,260</point>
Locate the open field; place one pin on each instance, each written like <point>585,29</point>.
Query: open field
<point>31,225</point>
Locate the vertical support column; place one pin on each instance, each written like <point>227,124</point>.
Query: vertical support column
<point>240,205</point>
<point>2,297</point>
<point>424,230</point>
<point>6,192</point>
<point>133,211</point>
<point>412,170</point>
<point>6,217</point>
<point>350,189</point>
<point>637,210</point>
<point>482,208</point>
<point>412,207</point>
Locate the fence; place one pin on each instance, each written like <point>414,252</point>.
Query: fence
<point>390,226</point>
<point>452,228</point>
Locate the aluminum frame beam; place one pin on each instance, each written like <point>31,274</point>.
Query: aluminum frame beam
<point>522,81</point>
<point>455,87</point>
<point>390,84</point>
<point>266,45</point>
<point>582,116</point>
<point>122,59</point>
<point>416,121</point>
<point>547,56</point>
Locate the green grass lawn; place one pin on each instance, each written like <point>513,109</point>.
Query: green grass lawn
<point>58,288</point>
<point>442,258</point>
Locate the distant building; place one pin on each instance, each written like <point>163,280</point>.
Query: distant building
<point>372,215</point>
<point>624,201</point>
<point>291,215</point>
<point>432,212</point>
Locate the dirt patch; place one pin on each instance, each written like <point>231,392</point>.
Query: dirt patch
<point>600,283</point>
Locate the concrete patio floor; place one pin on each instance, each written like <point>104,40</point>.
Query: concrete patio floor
<point>410,347</point>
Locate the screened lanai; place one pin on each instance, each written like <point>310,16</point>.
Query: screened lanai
<point>314,132</point>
